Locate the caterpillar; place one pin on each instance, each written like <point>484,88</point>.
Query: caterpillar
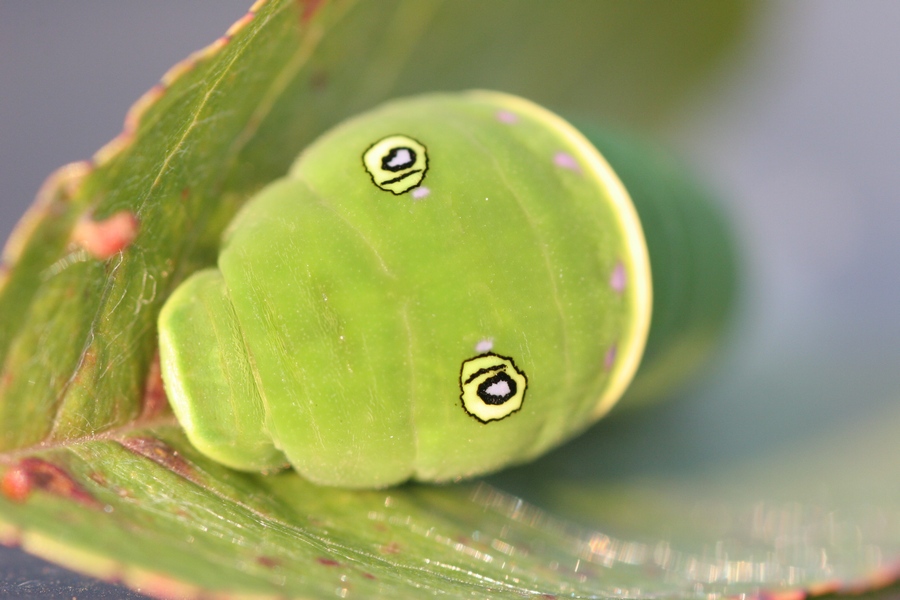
<point>438,288</point>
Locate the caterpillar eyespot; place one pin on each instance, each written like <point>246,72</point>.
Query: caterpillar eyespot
<point>492,387</point>
<point>336,332</point>
<point>396,163</point>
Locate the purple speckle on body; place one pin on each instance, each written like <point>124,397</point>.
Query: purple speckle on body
<point>566,161</point>
<point>484,346</point>
<point>618,279</point>
<point>420,192</point>
<point>507,117</point>
<point>610,358</point>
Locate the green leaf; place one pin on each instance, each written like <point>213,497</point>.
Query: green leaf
<point>97,475</point>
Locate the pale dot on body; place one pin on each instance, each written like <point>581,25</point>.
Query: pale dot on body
<point>566,161</point>
<point>484,346</point>
<point>618,279</point>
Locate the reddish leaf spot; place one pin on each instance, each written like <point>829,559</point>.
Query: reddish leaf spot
<point>392,548</point>
<point>548,596</point>
<point>16,485</point>
<point>268,562</point>
<point>328,562</point>
<point>786,595</point>
<point>160,453</point>
<point>369,576</point>
<point>308,8</point>
<point>155,399</point>
<point>103,239</point>
<point>35,473</point>
<point>185,193</point>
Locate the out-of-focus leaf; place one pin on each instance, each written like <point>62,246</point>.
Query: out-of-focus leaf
<point>632,62</point>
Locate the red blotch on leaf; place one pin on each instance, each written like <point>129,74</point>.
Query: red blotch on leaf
<point>16,485</point>
<point>103,239</point>
<point>328,562</point>
<point>308,8</point>
<point>786,595</point>
<point>155,399</point>
<point>35,473</point>
<point>160,453</point>
<point>392,548</point>
<point>268,562</point>
<point>98,478</point>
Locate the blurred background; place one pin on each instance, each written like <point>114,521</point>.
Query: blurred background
<point>797,128</point>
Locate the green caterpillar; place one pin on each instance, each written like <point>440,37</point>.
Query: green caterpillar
<point>439,288</point>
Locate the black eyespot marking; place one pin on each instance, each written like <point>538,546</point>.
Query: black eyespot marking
<point>492,387</point>
<point>396,163</point>
<point>497,389</point>
<point>398,158</point>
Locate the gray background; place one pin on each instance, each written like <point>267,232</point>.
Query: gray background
<point>802,142</point>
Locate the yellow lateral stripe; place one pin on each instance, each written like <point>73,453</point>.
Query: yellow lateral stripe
<point>632,348</point>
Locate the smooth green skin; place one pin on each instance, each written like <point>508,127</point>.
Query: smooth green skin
<point>332,333</point>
